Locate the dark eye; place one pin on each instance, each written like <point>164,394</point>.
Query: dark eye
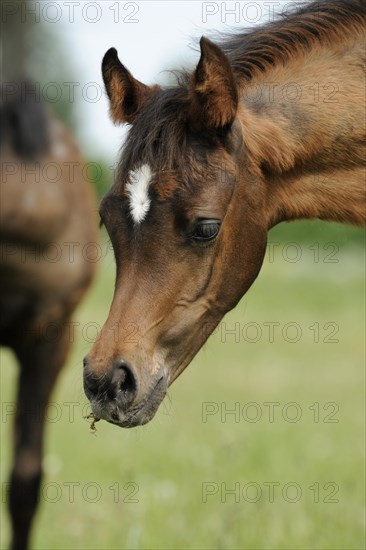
<point>205,230</point>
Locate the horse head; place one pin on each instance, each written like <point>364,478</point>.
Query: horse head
<point>186,218</point>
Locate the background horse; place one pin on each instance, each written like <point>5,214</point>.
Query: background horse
<point>46,203</point>
<point>268,128</point>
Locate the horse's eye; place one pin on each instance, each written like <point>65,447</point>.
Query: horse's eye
<point>205,230</point>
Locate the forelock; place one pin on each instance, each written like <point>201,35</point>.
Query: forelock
<point>158,135</point>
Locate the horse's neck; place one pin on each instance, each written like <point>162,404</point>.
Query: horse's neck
<point>338,195</point>
<point>306,135</point>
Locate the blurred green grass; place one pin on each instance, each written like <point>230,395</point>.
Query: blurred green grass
<point>166,464</point>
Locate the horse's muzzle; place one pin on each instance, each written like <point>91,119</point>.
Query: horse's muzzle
<point>120,398</point>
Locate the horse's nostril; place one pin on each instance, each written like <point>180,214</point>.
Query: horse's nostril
<point>118,385</point>
<point>123,382</point>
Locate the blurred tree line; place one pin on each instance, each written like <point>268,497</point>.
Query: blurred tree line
<point>315,231</point>
<point>34,51</point>
<point>31,51</point>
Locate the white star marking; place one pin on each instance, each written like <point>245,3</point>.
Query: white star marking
<point>138,192</point>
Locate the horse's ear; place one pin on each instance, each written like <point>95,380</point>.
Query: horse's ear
<point>126,94</point>
<point>214,89</point>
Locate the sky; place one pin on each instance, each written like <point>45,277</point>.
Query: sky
<point>150,36</point>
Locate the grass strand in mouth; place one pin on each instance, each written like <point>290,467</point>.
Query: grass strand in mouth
<point>92,419</point>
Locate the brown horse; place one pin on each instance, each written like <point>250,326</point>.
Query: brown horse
<point>269,127</point>
<point>45,204</point>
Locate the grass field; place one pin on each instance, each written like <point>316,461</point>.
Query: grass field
<point>284,470</point>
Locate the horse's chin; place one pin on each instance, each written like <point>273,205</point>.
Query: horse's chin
<point>137,416</point>
<point>132,422</point>
<point>140,418</point>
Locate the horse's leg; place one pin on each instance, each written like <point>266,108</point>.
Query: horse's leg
<point>40,363</point>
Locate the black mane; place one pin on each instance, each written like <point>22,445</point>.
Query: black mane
<point>290,33</point>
